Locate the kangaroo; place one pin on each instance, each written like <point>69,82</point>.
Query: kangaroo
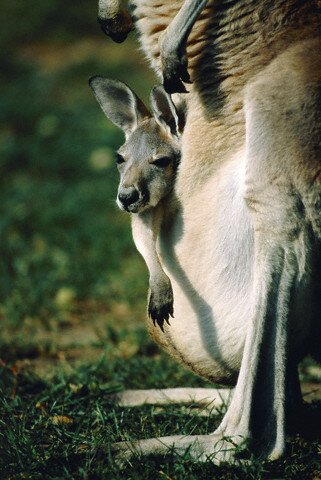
<point>243,248</point>
<point>147,163</point>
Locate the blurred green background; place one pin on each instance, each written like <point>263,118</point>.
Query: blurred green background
<point>63,241</point>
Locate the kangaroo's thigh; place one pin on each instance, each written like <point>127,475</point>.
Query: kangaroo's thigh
<point>283,171</point>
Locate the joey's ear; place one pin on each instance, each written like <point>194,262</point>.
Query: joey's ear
<point>119,103</point>
<point>165,112</point>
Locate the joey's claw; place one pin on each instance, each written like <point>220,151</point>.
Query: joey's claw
<point>160,309</point>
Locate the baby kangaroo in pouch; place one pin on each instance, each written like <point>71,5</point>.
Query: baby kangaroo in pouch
<point>147,164</point>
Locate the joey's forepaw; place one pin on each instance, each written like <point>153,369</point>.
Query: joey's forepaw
<point>160,307</point>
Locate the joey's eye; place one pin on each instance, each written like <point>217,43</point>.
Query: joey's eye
<point>119,159</point>
<point>162,161</point>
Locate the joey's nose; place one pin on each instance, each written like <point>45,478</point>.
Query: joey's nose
<point>128,198</point>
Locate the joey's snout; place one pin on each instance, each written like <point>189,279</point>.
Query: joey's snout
<point>129,199</point>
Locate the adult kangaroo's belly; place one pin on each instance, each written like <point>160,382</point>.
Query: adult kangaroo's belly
<point>208,254</point>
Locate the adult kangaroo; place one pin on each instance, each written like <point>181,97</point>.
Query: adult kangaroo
<point>242,249</point>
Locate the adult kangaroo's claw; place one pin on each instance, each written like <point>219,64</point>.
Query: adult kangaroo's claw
<point>174,85</point>
<point>174,66</point>
<point>175,73</point>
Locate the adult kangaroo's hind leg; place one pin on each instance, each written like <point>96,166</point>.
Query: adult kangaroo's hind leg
<point>283,193</point>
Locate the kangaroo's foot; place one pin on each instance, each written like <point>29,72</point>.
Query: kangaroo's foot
<point>211,398</point>
<point>200,448</point>
<point>117,28</point>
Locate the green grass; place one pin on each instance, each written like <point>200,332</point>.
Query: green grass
<point>62,426</point>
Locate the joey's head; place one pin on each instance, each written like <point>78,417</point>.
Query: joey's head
<point>148,160</point>
<point>147,164</point>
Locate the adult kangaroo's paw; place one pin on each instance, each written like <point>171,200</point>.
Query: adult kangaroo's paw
<point>174,67</point>
<point>160,305</point>
<point>173,46</point>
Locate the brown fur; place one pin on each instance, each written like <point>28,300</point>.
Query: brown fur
<point>229,45</point>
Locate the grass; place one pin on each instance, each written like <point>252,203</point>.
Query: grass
<point>72,286</point>
<point>58,421</point>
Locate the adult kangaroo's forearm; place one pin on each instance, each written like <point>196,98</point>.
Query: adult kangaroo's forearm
<point>183,23</point>
<point>114,19</point>
<point>173,45</point>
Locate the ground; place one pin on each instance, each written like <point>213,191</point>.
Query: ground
<point>57,419</point>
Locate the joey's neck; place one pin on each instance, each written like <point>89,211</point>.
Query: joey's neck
<point>162,212</point>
